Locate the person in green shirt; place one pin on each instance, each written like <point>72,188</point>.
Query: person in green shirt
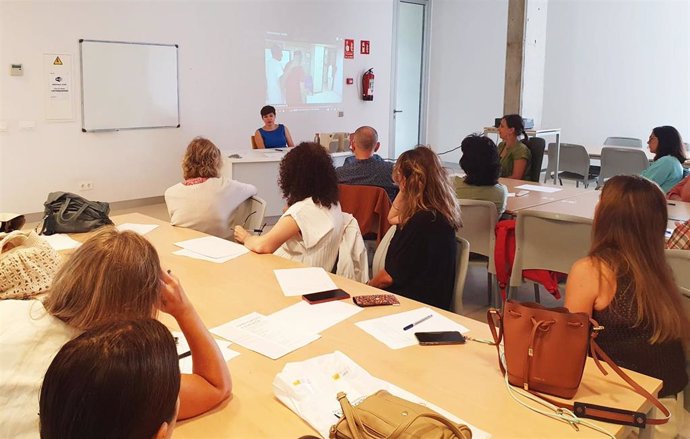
<point>481,165</point>
<point>514,154</point>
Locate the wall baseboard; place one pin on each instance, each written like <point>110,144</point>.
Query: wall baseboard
<point>36,217</point>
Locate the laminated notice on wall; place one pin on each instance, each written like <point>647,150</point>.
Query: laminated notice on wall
<point>59,87</point>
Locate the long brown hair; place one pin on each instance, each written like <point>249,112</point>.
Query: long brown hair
<point>426,186</point>
<point>202,159</point>
<point>628,236</point>
<point>112,276</point>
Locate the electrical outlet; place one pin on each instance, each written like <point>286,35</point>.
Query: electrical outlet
<point>85,185</point>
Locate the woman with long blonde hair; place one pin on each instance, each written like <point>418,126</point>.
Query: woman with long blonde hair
<point>421,259</point>
<point>626,285</point>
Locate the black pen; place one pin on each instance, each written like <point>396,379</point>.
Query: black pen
<point>184,355</point>
<point>671,204</point>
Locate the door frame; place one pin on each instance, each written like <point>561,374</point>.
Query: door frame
<point>424,80</point>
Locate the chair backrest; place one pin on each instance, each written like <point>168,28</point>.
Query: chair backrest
<point>253,142</point>
<point>536,146</point>
<point>479,227</point>
<point>250,214</point>
<point>630,142</point>
<point>549,241</point>
<point>463,260</point>
<point>679,260</point>
<point>368,204</point>
<point>379,261</point>
<point>573,158</point>
<point>622,161</point>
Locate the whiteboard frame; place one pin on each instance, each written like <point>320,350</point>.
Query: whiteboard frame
<point>81,74</point>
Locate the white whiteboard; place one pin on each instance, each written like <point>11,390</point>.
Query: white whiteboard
<point>128,85</point>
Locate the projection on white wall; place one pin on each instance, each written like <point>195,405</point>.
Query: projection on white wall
<point>301,75</point>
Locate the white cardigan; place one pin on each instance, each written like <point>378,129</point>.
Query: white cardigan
<point>208,206</point>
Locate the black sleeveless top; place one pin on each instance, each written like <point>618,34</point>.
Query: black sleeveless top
<point>630,348</point>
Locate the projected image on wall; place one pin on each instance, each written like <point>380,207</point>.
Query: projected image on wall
<point>302,74</point>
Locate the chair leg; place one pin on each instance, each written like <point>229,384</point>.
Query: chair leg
<point>537,297</point>
<point>560,181</point>
<point>577,183</point>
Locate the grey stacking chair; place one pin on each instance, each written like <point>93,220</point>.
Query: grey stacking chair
<point>630,142</point>
<point>548,241</point>
<point>250,214</point>
<point>479,229</point>
<point>574,164</point>
<point>380,255</point>
<point>679,260</point>
<point>463,259</point>
<point>621,161</point>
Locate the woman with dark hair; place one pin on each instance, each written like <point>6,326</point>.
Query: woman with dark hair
<point>205,200</point>
<point>117,380</point>
<point>421,259</point>
<point>514,154</point>
<point>311,228</point>
<point>626,285</point>
<point>667,168</point>
<point>482,167</point>
<point>272,135</point>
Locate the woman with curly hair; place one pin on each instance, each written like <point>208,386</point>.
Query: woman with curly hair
<point>311,228</point>
<point>205,200</point>
<point>421,259</point>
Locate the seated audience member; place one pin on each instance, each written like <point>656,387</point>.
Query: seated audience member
<point>205,200</point>
<point>514,154</point>
<point>117,380</point>
<point>626,285</point>
<point>680,191</point>
<point>311,228</point>
<point>272,135</point>
<point>421,259</point>
<point>482,167</point>
<point>112,276</point>
<point>667,168</point>
<point>367,167</point>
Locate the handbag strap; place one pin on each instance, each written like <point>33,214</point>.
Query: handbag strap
<point>350,417</point>
<point>17,234</point>
<point>65,205</point>
<point>403,427</point>
<point>495,319</point>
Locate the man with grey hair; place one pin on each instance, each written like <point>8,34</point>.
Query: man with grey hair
<point>367,167</point>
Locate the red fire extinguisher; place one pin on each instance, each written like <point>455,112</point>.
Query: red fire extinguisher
<point>368,85</point>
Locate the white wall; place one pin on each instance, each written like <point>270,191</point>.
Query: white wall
<point>221,87</point>
<point>466,69</point>
<point>617,68</point>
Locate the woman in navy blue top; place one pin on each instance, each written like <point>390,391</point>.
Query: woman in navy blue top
<point>272,135</point>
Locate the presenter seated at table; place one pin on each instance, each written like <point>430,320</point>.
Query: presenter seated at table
<point>311,228</point>
<point>667,168</point>
<point>421,259</point>
<point>205,200</point>
<point>117,380</point>
<point>626,285</point>
<point>482,167</point>
<point>514,154</point>
<point>112,276</point>
<point>272,135</point>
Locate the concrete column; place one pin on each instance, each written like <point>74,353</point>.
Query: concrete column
<point>512,94</point>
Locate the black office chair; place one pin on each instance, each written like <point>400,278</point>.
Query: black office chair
<point>536,146</point>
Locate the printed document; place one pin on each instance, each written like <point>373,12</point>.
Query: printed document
<point>183,348</point>
<point>535,188</point>
<point>299,281</point>
<point>60,241</point>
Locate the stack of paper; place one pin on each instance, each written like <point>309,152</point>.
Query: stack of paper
<point>316,318</point>
<point>299,281</point>
<point>390,329</point>
<point>210,248</point>
<point>183,348</point>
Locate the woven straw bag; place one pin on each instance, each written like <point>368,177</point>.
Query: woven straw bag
<point>27,265</point>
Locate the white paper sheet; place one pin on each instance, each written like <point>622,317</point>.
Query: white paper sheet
<point>389,329</point>
<point>298,281</point>
<point>60,241</point>
<point>191,254</point>
<point>309,389</point>
<point>314,318</point>
<point>213,247</point>
<point>141,229</point>
<point>259,334</point>
<point>183,346</point>
<point>534,187</point>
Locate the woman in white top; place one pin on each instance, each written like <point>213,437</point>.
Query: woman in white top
<point>205,200</point>
<point>311,228</point>
<point>112,276</point>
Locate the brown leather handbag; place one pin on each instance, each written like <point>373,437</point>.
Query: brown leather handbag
<point>383,415</point>
<point>546,351</point>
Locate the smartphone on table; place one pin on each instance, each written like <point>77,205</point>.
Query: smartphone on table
<point>325,296</point>
<point>440,337</point>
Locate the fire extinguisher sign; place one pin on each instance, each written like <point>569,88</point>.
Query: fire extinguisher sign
<point>349,49</point>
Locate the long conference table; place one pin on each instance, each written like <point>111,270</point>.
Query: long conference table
<point>463,379</point>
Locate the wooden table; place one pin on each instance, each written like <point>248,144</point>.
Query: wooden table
<point>463,379</point>
<point>535,198</point>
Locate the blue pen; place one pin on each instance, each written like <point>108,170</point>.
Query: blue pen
<point>411,325</point>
